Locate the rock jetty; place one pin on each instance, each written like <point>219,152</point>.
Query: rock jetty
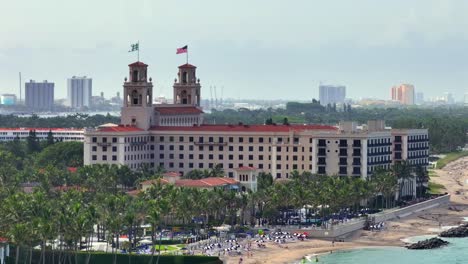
<point>428,244</point>
<point>460,231</point>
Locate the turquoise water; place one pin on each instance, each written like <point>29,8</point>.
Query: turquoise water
<point>454,253</point>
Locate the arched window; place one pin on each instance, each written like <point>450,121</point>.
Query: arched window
<point>135,76</point>
<point>135,97</point>
<point>184,77</point>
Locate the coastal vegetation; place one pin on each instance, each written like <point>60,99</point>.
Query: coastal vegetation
<point>449,157</point>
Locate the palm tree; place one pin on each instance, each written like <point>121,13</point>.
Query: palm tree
<point>402,171</point>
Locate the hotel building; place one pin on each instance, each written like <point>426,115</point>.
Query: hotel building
<point>174,136</point>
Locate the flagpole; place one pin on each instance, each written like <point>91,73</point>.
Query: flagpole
<point>187,55</point>
<point>138,51</point>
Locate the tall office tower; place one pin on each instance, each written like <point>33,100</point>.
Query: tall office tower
<point>465,99</point>
<point>79,91</point>
<point>331,94</point>
<point>419,98</point>
<point>448,98</point>
<point>403,93</point>
<point>39,95</point>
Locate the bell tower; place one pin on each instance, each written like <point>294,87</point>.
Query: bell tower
<point>138,97</point>
<point>187,86</point>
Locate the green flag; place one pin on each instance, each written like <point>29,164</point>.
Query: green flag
<point>134,47</point>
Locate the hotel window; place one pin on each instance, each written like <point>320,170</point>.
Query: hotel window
<point>231,139</point>
<point>171,139</point>
<point>251,157</point>
<point>278,166</point>
<point>161,156</point>
<point>294,157</point>
<point>221,148</point>
<point>200,148</point>
<point>171,147</point>
<point>251,140</point>
<point>161,147</point>
<point>241,139</point>
<point>104,149</point>
<point>161,139</point>
<point>190,165</point>
<point>200,139</point>
<point>231,148</point>
<point>190,139</point>
<point>94,148</point>
<point>200,156</point>
<point>241,148</point>
<point>181,156</point>
<point>241,165</point>
<point>260,148</point>
<point>251,148</point>
<point>278,157</point>
<point>210,165</point>
<point>171,156</point>
<point>241,157</point>
<point>181,147</point>
<point>260,157</point>
<point>152,147</point>
<point>181,165</point>
<point>152,155</point>
<point>104,157</point>
<point>278,149</point>
<point>200,165</point>
<point>114,149</point>
<point>181,139</point>
<point>231,157</point>
<point>210,148</point>
<point>221,140</point>
<point>294,149</point>
<point>104,140</point>
<point>210,157</point>
<point>294,166</point>
<point>260,140</point>
<point>190,156</point>
<point>94,157</point>
<point>114,157</point>
<point>114,140</point>
<point>210,139</point>
<point>94,139</point>
<point>260,166</point>
<point>190,148</point>
<point>152,140</point>
<point>171,164</point>
<point>231,165</point>
<point>221,157</point>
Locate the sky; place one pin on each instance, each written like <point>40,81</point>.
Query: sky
<point>256,49</point>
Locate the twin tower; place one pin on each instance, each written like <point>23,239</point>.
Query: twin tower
<point>138,109</point>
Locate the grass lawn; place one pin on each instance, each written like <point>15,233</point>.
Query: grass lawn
<point>168,247</point>
<point>450,157</point>
<point>291,119</point>
<point>435,188</point>
<point>432,174</point>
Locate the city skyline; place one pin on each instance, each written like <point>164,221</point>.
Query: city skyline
<point>382,45</point>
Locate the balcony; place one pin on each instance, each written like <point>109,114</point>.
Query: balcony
<point>210,143</point>
<point>356,154</point>
<point>102,144</point>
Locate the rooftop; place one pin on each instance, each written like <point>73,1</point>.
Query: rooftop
<point>138,63</point>
<point>120,128</point>
<point>203,183</point>
<point>246,128</point>
<point>186,65</point>
<point>53,129</point>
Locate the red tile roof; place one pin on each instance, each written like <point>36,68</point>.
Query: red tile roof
<point>206,182</point>
<point>246,128</point>
<point>186,65</point>
<point>120,128</point>
<point>3,240</point>
<point>138,63</point>
<point>155,181</point>
<point>72,169</point>
<point>134,192</point>
<point>171,174</point>
<point>178,110</point>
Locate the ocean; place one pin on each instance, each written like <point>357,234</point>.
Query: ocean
<point>455,253</point>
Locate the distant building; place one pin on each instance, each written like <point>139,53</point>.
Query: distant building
<point>448,98</point>
<point>79,92</point>
<point>39,95</point>
<point>8,99</point>
<point>60,134</point>
<point>330,94</point>
<point>465,99</point>
<point>404,94</point>
<point>419,98</point>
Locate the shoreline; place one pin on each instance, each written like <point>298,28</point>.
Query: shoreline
<point>427,222</point>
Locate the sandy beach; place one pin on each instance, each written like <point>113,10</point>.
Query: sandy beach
<point>453,177</point>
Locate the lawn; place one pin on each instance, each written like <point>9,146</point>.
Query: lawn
<point>450,157</point>
<point>435,188</point>
<point>168,247</point>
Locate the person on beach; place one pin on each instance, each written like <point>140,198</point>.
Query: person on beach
<point>316,259</point>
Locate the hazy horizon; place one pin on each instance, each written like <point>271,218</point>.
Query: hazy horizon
<point>254,49</point>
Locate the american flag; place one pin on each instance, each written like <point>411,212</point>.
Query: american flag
<point>182,50</point>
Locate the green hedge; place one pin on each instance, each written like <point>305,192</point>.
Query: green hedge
<point>52,257</point>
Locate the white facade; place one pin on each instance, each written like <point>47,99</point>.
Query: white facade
<point>60,134</point>
<point>80,90</point>
<point>8,99</point>
<point>331,94</point>
<point>39,95</point>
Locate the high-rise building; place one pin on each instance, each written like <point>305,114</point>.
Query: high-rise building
<point>448,98</point>
<point>39,95</point>
<point>465,101</point>
<point>419,98</point>
<point>404,94</point>
<point>79,91</point>
<point>331,94</point>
